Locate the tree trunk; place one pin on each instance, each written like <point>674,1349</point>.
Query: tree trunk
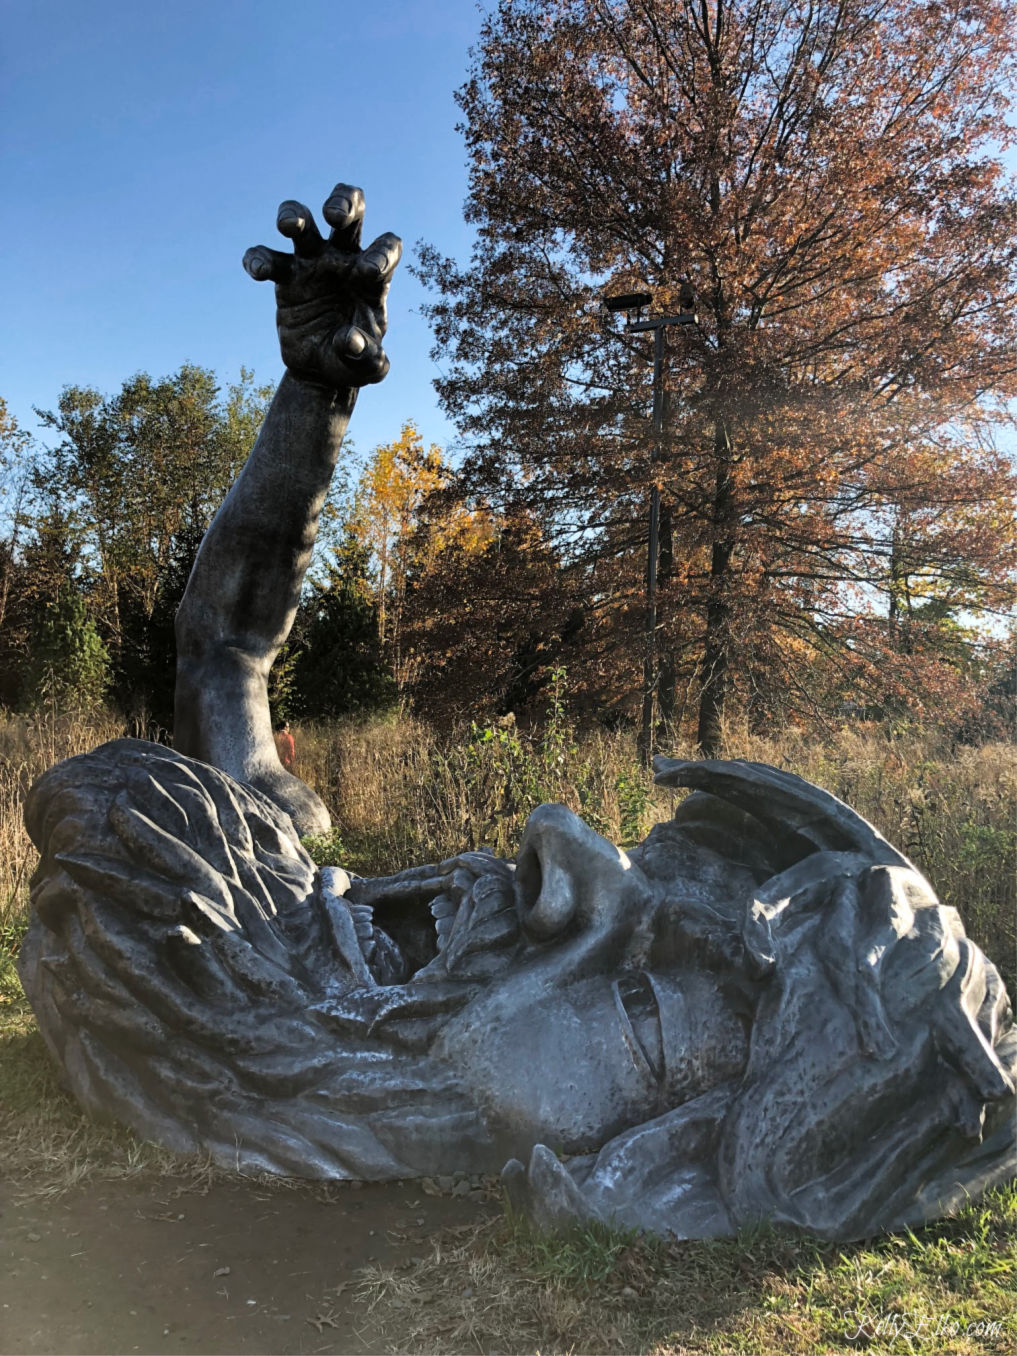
<point>715,671</point>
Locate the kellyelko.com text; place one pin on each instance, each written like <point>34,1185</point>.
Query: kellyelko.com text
<point>862,1325</point>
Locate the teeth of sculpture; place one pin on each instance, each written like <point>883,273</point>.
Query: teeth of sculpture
<point>443,911</point>
<point>363,925</point>
<point>379,950</point>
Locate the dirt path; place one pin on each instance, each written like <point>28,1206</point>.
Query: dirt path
<point>145,1266</point>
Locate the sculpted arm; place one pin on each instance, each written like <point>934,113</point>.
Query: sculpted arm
<point>243,592</point>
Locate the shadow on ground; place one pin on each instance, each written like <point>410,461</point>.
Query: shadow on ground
<point>151,1266</point>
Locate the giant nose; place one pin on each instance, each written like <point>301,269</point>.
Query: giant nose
<point>567,874</point>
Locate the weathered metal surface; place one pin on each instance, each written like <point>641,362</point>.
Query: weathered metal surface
<point>794,1029</point>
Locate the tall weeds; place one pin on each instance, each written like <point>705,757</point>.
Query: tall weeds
<point>29,745</point>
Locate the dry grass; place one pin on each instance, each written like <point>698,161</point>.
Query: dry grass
<point>29,745</point>
<point>496,1288</point>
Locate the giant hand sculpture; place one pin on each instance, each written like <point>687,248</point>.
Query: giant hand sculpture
<point>762,1012</point>
<point>245,586</point>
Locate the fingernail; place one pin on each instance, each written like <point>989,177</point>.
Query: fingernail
<point>355,343</point>
<point>342,205</point>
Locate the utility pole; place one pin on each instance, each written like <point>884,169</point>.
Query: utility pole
<point>633,305</point>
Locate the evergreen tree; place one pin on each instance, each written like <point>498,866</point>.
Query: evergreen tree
<point>335,648</point>
<point>69,666</point>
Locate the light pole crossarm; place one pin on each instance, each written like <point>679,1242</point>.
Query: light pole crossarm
<point>661,322</point>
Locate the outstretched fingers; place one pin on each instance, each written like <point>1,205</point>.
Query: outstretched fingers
<point>344,212</point>
<point>374,268</point>
<point>360,343</point>
<point>268,265</point>
<point>295,221</point>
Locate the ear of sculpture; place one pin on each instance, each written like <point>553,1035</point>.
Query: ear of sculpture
<point>569,876</point>
<point>785,805</point>
<point>973,995</point>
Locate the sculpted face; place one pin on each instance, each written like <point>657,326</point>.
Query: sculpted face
<point>725,1024</point>
<point>589,1029</point>
<point>586,1013</point>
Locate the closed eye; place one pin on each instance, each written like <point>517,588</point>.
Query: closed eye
<point>639,1012</point>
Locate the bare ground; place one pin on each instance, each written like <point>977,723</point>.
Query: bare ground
<point>146,1265</point>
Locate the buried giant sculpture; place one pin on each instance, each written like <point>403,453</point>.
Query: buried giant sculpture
<point>761,1012</point>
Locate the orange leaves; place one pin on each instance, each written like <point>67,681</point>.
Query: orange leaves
<point>826,175</point>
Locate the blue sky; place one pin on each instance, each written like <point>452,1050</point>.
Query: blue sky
<point>145,146</point>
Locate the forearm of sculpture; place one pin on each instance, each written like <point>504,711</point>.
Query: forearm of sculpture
<point>245,586</point>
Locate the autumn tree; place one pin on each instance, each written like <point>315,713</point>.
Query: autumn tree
<point>403,521</point>
<point>395,482</point>
<point>469,603</point>
<point>488,618</point>
<point>827,177</point>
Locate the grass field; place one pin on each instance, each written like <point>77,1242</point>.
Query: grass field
<point>401,795</point>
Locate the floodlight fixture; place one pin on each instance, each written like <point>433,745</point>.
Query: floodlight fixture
<point>627,301</point>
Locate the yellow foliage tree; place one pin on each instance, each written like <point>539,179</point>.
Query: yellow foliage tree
<point>405,538</point>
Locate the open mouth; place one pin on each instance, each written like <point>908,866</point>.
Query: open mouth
<point>390,930</point>
<point>383,941</point>
<point>398,942</point>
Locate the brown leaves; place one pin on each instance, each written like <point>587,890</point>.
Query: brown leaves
<point>824,175</point>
